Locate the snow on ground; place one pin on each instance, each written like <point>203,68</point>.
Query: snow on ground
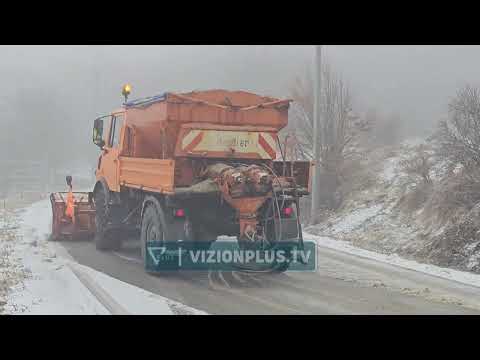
<point>42,280</point>
<point>48,286</point>
<point>45,281</point>
<point>11,272</point>
<point>52,290</point>
<point>354,219</point>
<point>127,296</point>
<point>383,217</point>
<point>389,173</point>
<point>413,141</point>
<point>394,259</point>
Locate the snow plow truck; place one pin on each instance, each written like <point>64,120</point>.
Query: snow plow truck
<point>192,167</point>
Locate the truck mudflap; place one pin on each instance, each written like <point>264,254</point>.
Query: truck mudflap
<point>82,221</point>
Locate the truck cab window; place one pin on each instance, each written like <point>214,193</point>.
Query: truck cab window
<point>117,123</point>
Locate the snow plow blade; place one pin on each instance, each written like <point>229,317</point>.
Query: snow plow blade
<point>81,224</point>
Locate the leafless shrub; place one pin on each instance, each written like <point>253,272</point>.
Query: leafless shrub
<point>455,246</point>
<point>414,199</point>
<point>356,176</point>
<point>454,196</point>
<point>418,166</point>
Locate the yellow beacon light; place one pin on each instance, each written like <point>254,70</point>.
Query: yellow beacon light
<point>127,89</point>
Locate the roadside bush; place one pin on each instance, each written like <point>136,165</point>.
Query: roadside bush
<point>419,165</point>
<point>456,245</point>
<point>455,195</point>
<point>415,198</point>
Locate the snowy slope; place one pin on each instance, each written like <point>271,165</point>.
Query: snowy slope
<point>388,215</point>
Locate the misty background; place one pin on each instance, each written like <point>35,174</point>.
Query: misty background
<point>50,95</point>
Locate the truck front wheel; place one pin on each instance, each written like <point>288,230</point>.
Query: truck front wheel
<point>104,239</point>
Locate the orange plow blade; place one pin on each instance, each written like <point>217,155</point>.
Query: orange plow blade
<point>73,222</point>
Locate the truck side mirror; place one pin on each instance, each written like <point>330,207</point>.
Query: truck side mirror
<point>98,133</point>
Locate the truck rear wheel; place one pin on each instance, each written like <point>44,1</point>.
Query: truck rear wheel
<point>104,239</point>
<point>152,228</point>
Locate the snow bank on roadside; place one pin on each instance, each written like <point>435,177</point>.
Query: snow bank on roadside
<point>394,259</point>
<point>51,287</point>
<point>135,300</point>
<point>36,219</point>
<point>52,290</point>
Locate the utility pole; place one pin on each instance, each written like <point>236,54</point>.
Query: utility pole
<point>317,133</point>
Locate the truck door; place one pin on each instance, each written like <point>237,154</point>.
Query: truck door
<point>111,153</point>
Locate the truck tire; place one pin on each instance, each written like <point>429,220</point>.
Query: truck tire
<point>104,239</point>
<point>152,227</point>
<point>286,230</point>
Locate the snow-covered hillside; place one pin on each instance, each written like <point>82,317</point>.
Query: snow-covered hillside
<point>393,214</point>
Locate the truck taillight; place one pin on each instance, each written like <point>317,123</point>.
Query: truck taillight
<point>287,211</point>
<point>179,213</point>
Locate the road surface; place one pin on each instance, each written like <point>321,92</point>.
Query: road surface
<point>343,284</point>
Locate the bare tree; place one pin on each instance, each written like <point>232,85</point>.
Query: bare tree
<point>339,128</point>
<point>458,136</point>
<point>301,114</point>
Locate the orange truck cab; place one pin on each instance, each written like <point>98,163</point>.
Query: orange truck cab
<point>196,166</point>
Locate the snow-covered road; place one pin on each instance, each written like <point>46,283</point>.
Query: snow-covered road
<point>72,277</point>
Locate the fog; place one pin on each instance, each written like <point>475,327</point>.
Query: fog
<point>51,94</point>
